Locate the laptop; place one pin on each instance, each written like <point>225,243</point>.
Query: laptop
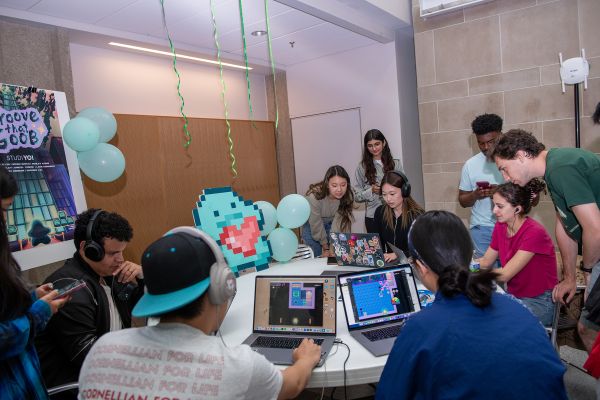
<point>357,249</point>
<point>400,256</point>
<point>377,304</point>
<point>290,308</point>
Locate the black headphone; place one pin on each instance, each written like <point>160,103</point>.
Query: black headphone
<point>405,189</point>
<point>92,249</point>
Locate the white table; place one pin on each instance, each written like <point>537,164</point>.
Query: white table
<point>362,367</point>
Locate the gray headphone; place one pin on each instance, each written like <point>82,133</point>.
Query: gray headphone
<point>222,280</point>
<point>92,249</point>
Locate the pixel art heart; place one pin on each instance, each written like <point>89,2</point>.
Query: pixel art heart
<point>242,240</point>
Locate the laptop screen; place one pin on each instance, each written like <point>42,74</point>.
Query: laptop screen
<point>357,249</point>
<point>295,304</point>
<point>379,296</point>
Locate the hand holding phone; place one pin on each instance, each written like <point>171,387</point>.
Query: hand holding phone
<point>70,288</point>
<point>483,184</point>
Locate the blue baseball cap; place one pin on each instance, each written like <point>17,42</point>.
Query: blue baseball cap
<point>176,271</point>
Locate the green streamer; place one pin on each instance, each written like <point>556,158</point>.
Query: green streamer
<point>224,89</point>
<point>246,62</point>
<point>188,137</point>
<point>272,64</point>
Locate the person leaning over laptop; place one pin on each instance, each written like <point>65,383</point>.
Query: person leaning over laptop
<point>190,287</point>
<point>472,343</point>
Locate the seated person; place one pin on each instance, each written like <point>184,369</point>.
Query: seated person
<point>471,343</point>
<point>331,202</point>
<point>394,217</point>
<point>525,249</point>
<point>113,288</point>
<point>190,288</point>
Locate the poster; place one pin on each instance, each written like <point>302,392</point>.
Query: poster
<point>41,219</point>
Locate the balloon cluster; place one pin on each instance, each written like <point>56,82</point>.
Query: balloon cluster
<point>292,212</point>
<point>88,134</point>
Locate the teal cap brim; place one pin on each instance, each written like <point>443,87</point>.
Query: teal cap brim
<point>156,304</point>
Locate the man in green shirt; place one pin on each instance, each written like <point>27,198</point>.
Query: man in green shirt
<point>573,179</point>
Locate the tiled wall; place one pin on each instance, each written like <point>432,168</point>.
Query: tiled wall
<point>501,57</point>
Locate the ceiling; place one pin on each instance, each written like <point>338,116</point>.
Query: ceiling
<point>296,36</point>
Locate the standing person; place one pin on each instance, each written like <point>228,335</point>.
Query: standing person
<point>471,343</point>
<point>190,287</point>
<point>477,180</point>
<point>113,287</point>
<point>525,249</point>
<point>23,314</point>
<point>395,216</point>
<point>331,203</point>
<point>573,179</point>
<point>376,160</point>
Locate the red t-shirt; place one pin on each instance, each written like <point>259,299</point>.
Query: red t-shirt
<point>539,274</point>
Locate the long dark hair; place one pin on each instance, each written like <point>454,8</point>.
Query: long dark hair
<point>14,298</point>
<point>440,240</point>
<point>367,158</point>
<point>516,195</point>
<point>410,208</point>
<point>321,189</point>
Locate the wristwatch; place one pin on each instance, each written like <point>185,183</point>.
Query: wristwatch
<point>584,269</point>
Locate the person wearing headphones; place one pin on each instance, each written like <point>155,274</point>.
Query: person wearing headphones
<point>113,286</point>
<point>525,249</point>
<point>393,218</point>
<point>189,287</point>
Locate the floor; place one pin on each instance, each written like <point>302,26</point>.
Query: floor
<point>580,385</point>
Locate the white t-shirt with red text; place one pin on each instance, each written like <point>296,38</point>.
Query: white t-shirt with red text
<point>174,362</point>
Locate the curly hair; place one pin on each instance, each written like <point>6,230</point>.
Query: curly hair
<point>367,158</point>
<point>106,225</point>
<point>514,140</point>
<point>486,123</point>
<point>516,195</point>
<point>321,189</point>
<point>596,115</point>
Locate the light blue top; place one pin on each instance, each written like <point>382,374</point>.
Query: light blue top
<point>478,168</point>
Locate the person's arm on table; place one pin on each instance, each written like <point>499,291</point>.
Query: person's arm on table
<point>296,376</point>
<point>514,265</point>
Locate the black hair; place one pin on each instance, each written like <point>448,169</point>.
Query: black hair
<point>486,123</point>
<point>514,140</point>
<point>106,225</point>
<point>321,190</point>
<point>410,208</point>
<point>440,240</point>
<point>14,296</point>
<point>516,195</point>
<point>596,115</point>
<point>367,158</point>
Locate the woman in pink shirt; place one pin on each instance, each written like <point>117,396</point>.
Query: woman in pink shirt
<point>525,249</point>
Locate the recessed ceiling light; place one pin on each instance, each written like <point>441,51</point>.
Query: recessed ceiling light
<point>259,33</point>
<point>166,53</point>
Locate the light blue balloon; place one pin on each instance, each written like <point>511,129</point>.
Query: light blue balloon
<point>107,124</point>
<point>81,134</point>
<point>293,211</point>
<point>269,215</point>
<point>104,163</point>
<point>283,244</point>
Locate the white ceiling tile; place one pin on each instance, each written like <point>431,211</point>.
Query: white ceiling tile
<point>18,4</point>
<point>79,10</point>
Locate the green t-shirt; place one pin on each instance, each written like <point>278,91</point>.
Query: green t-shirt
<point>573,178</point>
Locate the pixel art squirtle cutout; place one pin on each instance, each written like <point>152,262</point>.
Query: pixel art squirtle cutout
<point>235,225</point>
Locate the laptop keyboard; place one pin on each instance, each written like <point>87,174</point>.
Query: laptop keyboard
<point>279,342</point>
<point>383,333</point>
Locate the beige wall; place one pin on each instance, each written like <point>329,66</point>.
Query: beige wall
<point>501,57</point>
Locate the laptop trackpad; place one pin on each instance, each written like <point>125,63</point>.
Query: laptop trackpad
<point>276,356</point>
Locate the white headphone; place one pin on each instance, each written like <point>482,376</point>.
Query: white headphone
<point>222,280</point>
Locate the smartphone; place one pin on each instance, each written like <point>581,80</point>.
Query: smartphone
<point>483,184</point>
<point>70,288</point>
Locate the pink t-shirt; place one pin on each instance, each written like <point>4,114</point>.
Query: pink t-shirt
<point>539,274</point>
